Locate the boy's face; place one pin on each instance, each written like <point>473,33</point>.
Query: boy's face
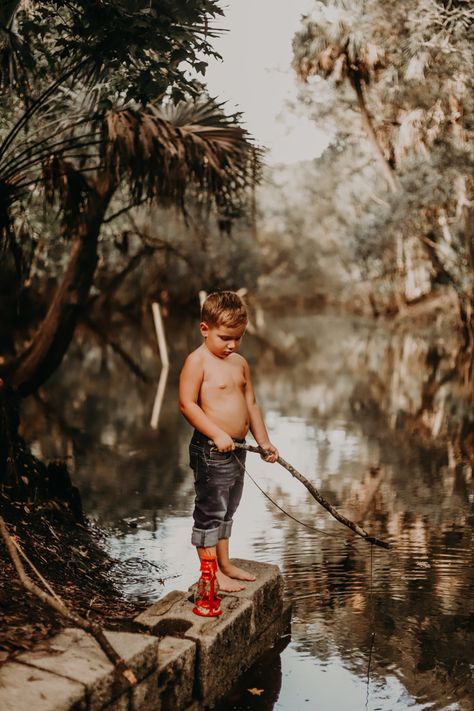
<point>221,341</point>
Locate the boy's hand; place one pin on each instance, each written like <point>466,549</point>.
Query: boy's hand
<point>269,447</point>
<point>224,442</point>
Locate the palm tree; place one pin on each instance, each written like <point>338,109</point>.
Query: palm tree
<point>99,131</point>
<point>332,44</point>
<point>164,155</point>
<point>158,154</point>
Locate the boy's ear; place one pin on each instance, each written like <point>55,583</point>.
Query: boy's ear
<point>204,328</point>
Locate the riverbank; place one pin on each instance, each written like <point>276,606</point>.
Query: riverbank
<point>182,662</point>
<point>363,411</point>
<point>71,558</point>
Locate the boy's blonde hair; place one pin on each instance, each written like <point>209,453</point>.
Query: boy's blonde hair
<point>224,308</point>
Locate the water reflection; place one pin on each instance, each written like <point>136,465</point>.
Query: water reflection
<point>382,425</point>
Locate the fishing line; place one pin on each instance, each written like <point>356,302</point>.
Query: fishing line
<point>372,636</point>
<point>319,530</point>
<point>302,523</point>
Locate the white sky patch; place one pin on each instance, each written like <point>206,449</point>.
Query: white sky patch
<point>256,77</point>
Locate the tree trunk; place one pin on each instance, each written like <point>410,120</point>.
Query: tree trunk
<point>8,10</point>
<point>371,135</point>
<point>53,337</point>
<point>466,317</point>
<point>8,436</point>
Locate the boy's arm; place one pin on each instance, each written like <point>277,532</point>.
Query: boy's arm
<point>190,382</point>
<point>257,425</point>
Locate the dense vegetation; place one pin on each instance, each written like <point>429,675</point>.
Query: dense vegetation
<point>393,82</point>
<point>104,129</point>
<point>122,182</point>
<point>100,137</point>
<point>99,115</point>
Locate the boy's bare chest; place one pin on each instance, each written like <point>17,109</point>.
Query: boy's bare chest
<point>223,376</point>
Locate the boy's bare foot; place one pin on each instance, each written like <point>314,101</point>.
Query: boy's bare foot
<point>226,584</point>
<point>232,571</point>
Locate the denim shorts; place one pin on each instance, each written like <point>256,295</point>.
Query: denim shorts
<point>218,482</point>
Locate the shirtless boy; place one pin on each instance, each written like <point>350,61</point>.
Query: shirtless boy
<point>216,396</point>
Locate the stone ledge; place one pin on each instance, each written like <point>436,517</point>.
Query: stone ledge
<point>170,685</point>
<point>269,637</point>
<point>188,664</point>
<point>23,688</point>
<point>75,655</point>
<point>166,609</point>
<point>265,593</point>
<point>251,619</point>
<point>216,638</point>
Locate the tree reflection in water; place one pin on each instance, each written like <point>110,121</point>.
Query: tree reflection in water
<point>381,422</point>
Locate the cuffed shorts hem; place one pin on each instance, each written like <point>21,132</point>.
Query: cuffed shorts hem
<point>225,529</point>
<point>207,538</point>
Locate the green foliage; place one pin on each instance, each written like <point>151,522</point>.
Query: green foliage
<point>416,61</point>
<point>337,40</point>
<point>98,83</point>
<point>135,49</point>
<point>96,118</point>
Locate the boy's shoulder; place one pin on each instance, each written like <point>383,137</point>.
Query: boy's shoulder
<point>196,357</point>
<point>239,359</point>
<point>200,355</point>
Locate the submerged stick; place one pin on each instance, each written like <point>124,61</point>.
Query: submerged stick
<point>58,605</point>
<point>165,364</point>
<point>319,498</point>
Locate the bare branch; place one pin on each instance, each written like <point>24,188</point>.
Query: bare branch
<point>58,605</point>
<point>319,498</point>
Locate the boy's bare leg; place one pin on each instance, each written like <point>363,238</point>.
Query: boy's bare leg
<point>226,567</point>
<point>226,584</point>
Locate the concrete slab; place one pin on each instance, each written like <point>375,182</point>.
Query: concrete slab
<point>145,696</point>
<point>220,641</point>
<point>170,687</point>
<point>120,704</point>
<point>270,636</point>
<point>176,668</point>
<point>156,618</point>
<point>265,594</point>
<point>23,688</point>
<point>76,655</point>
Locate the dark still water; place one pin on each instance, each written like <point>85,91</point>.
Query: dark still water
<point>381,424</point>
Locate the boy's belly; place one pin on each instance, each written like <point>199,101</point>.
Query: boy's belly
<point>230,413</point>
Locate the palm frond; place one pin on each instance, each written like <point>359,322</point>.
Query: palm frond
<point>163,153</point>
<point>333,42</point>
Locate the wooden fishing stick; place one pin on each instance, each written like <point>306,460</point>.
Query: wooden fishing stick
<point>316,495</point>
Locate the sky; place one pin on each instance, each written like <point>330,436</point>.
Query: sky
<point>256,78</point>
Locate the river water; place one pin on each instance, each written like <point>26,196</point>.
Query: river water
<point>377,421</point>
